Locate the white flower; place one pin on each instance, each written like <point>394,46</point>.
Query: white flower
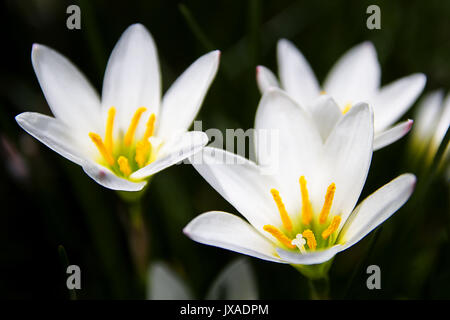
<point>130,134</point>
<point>305,213</point>
<point>235,282</point>
<point>432,123</point>
<point>354,78</point>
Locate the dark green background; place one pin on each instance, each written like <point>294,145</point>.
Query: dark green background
<point>47,201</point>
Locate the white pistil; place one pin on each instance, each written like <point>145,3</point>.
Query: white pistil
<point>300,242</point>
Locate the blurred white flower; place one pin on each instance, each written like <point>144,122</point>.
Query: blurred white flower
<point>305,213</point>
<point>432,123</point>
<point>354,78</point>
<point>131,133</point>
<point>235,282</point>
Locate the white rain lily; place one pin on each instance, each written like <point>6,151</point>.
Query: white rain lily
<point>130,133</point>
<point>235,282</point>
<point>432,123</point>
<point>305,213</point>
<point>354,78</point>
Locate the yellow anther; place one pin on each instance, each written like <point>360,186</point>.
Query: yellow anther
<point>101,148</point>
<point>150,127</point>
<point>124,166</point>
<point>142,150</point>
<point>280,236</point>
<point>347,107</point>
<point>323,92</point>
<point>310,239</point>
<point>287,223</point>
<point>334,225</point>
<point>109,129</point>
<point>129,136</point>
<point>323,216</point>
<point>307,213</point>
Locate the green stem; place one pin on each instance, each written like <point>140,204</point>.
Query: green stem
<point>195,28</point>
<point>319,288</point>
<point>318,280</point>
<point>138,239</point>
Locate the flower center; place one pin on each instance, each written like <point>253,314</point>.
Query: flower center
<point>347,106</point>
<point>304,234</point>
<point>124,156</point>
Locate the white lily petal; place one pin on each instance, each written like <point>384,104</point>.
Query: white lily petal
<point>53,133</point>
<point>227,231</point>
<point>299,142</point>
<point>186,145</point>
<point>296,75</point>
<point>108,179</point>
<point>240,182</point>
<point>164,284</point>
<point>442,125</point>
<point>132,77</point>
<point>266,79</point>
<point>376,208</point>
<point>69,94</point>
<point>315,257</point>
<point>347,155</point>
<point>326,113</point>
<point>427,115</point>
<point>355,77</point>
<point>395,99</point>
<point>182,101</point>
<point>391,135</point>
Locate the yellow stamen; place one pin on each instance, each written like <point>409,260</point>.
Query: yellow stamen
<point>109,130</point>
<point>129,136</point>
<point>150,127</point>
<point>323,92</point>
<point>142,150</point>
<point>327,204</point>
<point>280,236</point>
<point>306,205</point>
<point>347,107</point>
<point>310,239</point>
<point>101,148</point>
<point>124,166</point>
<point>287,223</point>
<point>332,227</point>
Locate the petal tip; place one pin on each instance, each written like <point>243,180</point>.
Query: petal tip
<point>186,231</point>
<point>284,42</point>
<point>409,125</point>
<point>136,29</point>
<point>368,46</point>
<point>137,26</point>
<point>35,46</point>
<point>35,49</point>
<point>19,117</point>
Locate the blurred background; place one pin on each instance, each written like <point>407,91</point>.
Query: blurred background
<point>47,201</point>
